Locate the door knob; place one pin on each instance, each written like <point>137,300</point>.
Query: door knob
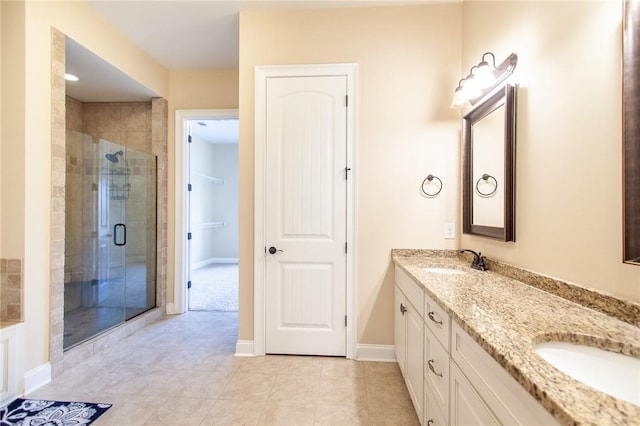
<point>273,250</point>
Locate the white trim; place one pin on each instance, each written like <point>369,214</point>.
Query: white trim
<point>37,377</point>
<point>171,308</point>
<point>384,353</point>
<point>213,260</point>
<point>181,180</point>
<point>262,73</point>
<point>244,348</point>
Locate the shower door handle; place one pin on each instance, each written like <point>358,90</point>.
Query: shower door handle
<point>120,238</point>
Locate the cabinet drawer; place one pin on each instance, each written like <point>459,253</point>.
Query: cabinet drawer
<point>436,369</point>
<point>433,415</point>
<point>510,402</point>
<point>437,320</point>
<point>411,290</point>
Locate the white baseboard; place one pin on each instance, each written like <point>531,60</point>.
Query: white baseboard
<point>244,348</point>
<point>37,377</point>
<point>207,262</point>
<point>385,353</point>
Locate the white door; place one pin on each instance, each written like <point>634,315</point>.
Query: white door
<point>306,213</point>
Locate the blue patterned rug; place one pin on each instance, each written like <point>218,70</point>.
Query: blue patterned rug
<point>23,412</point>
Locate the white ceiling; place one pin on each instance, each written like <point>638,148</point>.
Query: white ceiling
<point>183,35</point>
<point>218,131</point>
<point>201,34</point>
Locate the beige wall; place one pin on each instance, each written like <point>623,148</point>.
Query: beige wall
<point>409,62</point>
<point>189,89</point>
<point>569,152</point>
<point>78,21</point>
<point>13,122</point>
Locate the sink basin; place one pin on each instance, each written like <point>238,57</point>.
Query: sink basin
<point>438,270</point>
<point>613,373</point>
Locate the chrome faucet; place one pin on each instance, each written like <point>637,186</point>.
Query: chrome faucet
<point>478,260</point>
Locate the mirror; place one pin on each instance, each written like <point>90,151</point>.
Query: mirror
<point>488,131</point>
<point>631,130</point>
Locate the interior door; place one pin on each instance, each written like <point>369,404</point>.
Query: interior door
<point>305,208</point>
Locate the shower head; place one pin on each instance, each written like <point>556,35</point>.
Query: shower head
<point>114,157</point>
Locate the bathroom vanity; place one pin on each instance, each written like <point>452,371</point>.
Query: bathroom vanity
<point>466,345</point>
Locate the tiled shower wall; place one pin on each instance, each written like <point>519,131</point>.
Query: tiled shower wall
<point>11,292</point>
<point>124,123</point>
<point>126,132</point>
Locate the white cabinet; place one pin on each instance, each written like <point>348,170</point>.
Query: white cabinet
<point>451,379</point>
<point>467,407</point>
<point>505,397</point>
<point>409,334</point>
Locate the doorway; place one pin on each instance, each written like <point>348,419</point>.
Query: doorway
<point>213,214</point>
<point>304,194</point>
<point>206,278</point>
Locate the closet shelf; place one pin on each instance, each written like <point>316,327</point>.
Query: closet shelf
<point>211,224</point>
<point>209,178</point>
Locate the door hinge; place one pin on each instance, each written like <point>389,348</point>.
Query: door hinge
<point>189,139</point>
<point>346,172</point>
<point>345,320</point>
<point>345,247</point>
<point>188,235</point>
<point>346,100</point>
<point>188,285</point>
<point>189,187</point>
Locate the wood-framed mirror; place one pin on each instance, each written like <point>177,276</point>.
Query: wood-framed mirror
<point>488,188</point>
<point>631,131</point>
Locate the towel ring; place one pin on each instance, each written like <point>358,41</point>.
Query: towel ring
<point>429,179</point>
<point>486,177</point>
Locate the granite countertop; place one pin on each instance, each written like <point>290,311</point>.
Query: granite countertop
<point>508,318</point>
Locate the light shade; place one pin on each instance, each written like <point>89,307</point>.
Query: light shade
<point>70,77</point>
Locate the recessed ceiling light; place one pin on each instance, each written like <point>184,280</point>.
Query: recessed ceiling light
<point>70,77</point>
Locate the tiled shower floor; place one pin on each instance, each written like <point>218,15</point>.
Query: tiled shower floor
<point>181,371</point>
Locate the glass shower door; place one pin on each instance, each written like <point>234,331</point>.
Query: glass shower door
<point>110,236</point>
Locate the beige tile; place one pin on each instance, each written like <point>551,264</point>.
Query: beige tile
<point>261,364</point>
<point>387,392</point>
<point>342,389</point>
<point>234,412</point>
<point>337,413</point>
<point>374,369</point>
<point>204,384</point>
<point>302,365</point>
<point>249,386</point>
<point>341,367</point>
<point>130,411</point>
<point>288,413</point>
<point>182,411</point>
<point>293,387</point>
<point>393,417</point>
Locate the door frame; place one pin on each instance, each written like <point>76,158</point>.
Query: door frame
<point>262,73</point>
<point>179,306</point>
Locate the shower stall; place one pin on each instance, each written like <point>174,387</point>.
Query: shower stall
<point>110,236</point>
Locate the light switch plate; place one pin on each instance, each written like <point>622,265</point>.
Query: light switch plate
<point>449,231</point>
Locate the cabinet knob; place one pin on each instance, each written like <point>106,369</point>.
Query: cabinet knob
<point>429,422</point>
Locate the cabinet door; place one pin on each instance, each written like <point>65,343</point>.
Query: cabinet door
<point>415,348</point>
<point>400,329</point>
<point>467,408</point>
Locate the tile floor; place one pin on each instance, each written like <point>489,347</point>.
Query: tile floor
<point>181,371</point>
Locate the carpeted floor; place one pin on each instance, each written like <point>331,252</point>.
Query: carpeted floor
<point>214,288</point>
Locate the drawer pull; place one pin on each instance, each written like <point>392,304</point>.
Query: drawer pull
<point>429,422</point>
<point>403,309</point>
<point>432,318</point>
<point>430,364</point>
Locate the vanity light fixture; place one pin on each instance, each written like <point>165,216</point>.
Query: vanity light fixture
<point>482,79</point>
